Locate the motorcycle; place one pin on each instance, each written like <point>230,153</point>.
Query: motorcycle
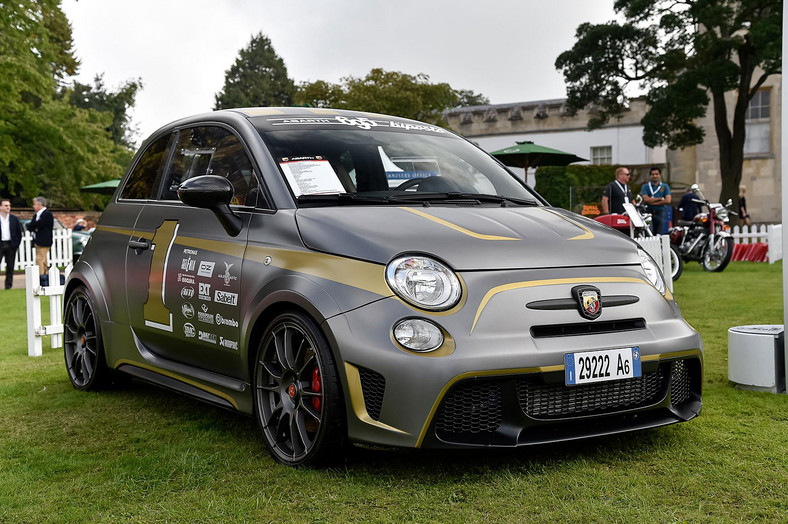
<point>707,237</point>
<point>636,223</point>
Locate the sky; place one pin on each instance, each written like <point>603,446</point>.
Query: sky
<point>180,50</point>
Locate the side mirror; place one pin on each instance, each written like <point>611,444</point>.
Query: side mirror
<point>729,203</point>
<point>214,193</point>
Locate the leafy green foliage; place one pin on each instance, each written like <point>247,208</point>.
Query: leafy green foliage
<point>684,54</point>
<point>257,78</point>
<point>388,92</point>
<point>116,103</point>
<point>47,145</point>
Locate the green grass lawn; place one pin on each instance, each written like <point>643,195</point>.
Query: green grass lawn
<point>141,454</point>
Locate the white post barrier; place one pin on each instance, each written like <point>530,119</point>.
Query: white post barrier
<point>775,233</point>
<point>33,292</point>
<point>659,249</point>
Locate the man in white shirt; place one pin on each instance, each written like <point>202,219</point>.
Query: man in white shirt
<point>10,237</point>
<point>41,226</point>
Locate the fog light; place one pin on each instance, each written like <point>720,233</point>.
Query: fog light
<point>418,335</point>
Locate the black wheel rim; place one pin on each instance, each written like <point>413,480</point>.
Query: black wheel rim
<point>80,340</point>
<point>289,392</point>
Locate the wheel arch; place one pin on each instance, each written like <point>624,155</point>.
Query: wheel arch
<point>291,294</point>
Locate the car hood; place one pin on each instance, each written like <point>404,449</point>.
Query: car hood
<point>475,238</point>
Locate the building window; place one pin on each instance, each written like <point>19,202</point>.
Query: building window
<point>758,135</point>
<point>602,155</point>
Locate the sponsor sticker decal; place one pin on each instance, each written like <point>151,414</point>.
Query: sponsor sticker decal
<point>189,330</point>
<point>224,321</point>
<point>207,337</point>
<point>223,297</point>
<point>187,292</point>
<point>204,317</point>
<point>187,264</point>
<point>227,277</point>
<point>185,279</point>
<point>188,251</point>
<point>187,310</point>
<point>232,344</point>
<point>206,269</point>
<point>205,291</point>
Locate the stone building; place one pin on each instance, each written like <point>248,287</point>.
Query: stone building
<point>548,123</point>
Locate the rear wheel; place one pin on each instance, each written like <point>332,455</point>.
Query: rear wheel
<point>297,393</point>
<point>676,263</point>
<point>716,257</point>
<point>82,343</point>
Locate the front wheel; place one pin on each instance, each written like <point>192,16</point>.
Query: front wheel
<point>716,257</point>
<point>297,393</point>
<point>676,263</point>
<point>82,343</point>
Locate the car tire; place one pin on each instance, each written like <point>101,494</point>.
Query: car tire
<point>83,346</point>
<point>676,263</point>
<point>716,258</point>
<point>297,392</point>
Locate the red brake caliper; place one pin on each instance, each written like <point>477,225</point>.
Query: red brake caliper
<point>316,387</point>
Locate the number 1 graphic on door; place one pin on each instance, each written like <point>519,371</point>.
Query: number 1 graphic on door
<point>154,311</point>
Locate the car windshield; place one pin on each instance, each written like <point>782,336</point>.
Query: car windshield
<point>356,166</point>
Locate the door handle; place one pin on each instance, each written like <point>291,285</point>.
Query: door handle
<point>139,244</point>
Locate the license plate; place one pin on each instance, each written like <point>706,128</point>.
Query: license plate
<point>601,366</point>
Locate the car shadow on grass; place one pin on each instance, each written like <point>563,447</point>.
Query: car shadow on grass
<point>419,464</point>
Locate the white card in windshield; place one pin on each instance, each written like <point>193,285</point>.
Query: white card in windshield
<point>310,175</point>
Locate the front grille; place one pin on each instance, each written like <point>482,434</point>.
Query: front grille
<point>588,328</point>
<point>474,407</point>
<point>373,385</point>
<point>545,401</point>
<point>680,383</point>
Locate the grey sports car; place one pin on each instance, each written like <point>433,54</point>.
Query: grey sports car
<point>354,277</point>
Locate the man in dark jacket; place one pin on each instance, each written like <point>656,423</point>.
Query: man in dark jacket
<point>41,226</point>
<point>10,237</point>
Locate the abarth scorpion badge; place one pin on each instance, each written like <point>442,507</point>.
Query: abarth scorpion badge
<point>588,300</point>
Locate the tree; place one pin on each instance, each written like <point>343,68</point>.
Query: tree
<point>117,103</point>
<point>47,146</point>
<point>685,54</point>
<point>258,78</point>
<point>388,92</point>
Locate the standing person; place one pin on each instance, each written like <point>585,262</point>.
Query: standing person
<point>656,194</point>
<point>41,226</point>
<point>617,193</point>
<point>744,216</point>
<point>10,237</point>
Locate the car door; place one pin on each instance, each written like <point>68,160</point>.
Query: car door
<point>183,270</point>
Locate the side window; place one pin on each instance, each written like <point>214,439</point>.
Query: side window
<point>141,181</point>
<point>211,151</point>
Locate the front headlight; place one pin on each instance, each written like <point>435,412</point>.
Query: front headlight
<point>423,282</point>
<point>651,270</point>
<point>722,214</point>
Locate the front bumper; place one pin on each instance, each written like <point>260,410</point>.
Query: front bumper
<point>500,380</point>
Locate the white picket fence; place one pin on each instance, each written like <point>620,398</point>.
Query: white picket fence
<point>659,249</point>
<point>36,331</point>
<point>771,234</point>
<point>60,254</point>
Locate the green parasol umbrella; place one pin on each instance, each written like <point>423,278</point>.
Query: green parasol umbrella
<point>105,188</point>
<point>527,154</point>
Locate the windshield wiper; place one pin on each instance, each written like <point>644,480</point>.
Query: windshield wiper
<point>461,197</point>
<point>341,199</point>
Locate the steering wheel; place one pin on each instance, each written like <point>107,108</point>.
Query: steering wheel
<point>409,183</point>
